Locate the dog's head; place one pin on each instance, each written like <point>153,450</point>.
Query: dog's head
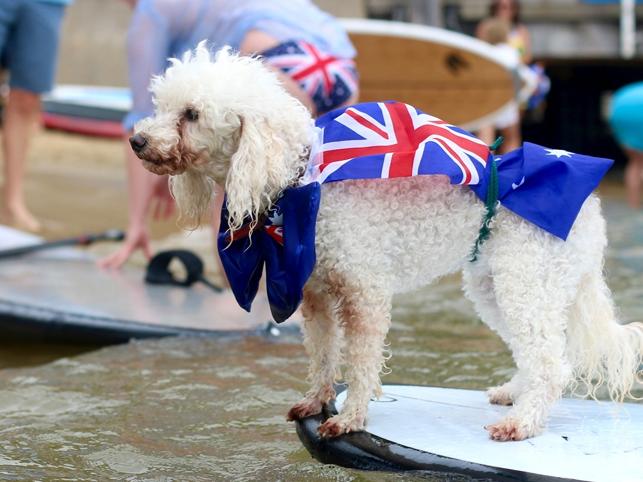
<point>223,119</point>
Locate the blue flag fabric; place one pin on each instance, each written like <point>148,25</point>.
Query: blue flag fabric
<point>284,243</point>
<point>380,140</point>
<point>546,186</point>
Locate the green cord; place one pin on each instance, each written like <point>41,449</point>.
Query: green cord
<point>490,204</point>
<point>496,144</point>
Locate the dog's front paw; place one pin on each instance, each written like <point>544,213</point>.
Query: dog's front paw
<point>341,424</point>
<point>500,395</point>
<point>508,429</point>
<point>304,408</point>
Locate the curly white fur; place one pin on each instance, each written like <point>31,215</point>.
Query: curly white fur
<point>252,153</point>
<point>546,298</point>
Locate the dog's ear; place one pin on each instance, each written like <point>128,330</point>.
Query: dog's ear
<point>193,192</point>
<point>257,170</point>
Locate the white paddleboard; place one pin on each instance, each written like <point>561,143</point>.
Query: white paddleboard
<point>99,97</point>
<point>585,440</point>
<point>87,110</point>
<point>60,294</point>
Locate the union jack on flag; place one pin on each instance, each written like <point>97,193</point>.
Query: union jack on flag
<point>327,79</point>
<point>393,139</point>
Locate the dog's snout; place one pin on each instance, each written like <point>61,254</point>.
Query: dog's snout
<point>138,142</point>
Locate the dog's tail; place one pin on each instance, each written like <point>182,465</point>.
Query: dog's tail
<point>603,353</point>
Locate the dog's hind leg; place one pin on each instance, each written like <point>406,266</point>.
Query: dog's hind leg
<point>366,316</point>
<point>478,287</point>
<point>322,340</point>
<point>533,293</point>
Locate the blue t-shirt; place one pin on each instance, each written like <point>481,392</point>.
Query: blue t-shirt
<point>167,28</point>
<point>58,2</point>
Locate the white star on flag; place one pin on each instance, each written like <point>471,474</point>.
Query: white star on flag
<point>558,153</point>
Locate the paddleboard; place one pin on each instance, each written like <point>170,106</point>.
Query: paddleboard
<point>442,430</point>
<point>457,78</point>
<point>87,110</point>
<point>61,295</point>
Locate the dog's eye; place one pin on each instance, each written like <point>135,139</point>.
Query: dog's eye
<point>191,114</point>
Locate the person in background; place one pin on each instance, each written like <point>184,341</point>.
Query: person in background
<point>307,49</point>
<point>626,121</point>
<point>29,37</point>
<point>496,32</point>
<point>518,37</point>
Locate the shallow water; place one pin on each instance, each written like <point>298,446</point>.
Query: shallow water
<point>202,409</point>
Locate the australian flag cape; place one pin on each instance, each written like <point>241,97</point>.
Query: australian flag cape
<point>390,139</point>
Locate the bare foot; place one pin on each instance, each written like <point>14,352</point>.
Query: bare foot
<point>341,424</point>
<point>304,408</point>
<point>506,430</point>
<point>21,218</point>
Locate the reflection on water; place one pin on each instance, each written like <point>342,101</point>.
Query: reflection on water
<point>14,354</point>
<point>202,409</point>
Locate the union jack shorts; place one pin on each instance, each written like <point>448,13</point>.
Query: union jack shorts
<point>329,81</point>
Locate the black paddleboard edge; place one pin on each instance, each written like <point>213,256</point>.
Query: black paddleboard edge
<point>365,451</point>
<point>28,322</point>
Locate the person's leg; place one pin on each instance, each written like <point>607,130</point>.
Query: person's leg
<point>633,173</point>
<point>140,189</point>
<point>512,138</point>
<point>31,52</point>
<point>21,114</point>
<point>486,134</point>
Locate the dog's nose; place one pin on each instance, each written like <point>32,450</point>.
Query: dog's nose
<point>138,142</point>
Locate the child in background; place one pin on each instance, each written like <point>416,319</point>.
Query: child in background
<point>496,32</point>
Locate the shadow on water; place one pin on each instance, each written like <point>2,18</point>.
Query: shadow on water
<point>18,353</point>
<point>204,409</point>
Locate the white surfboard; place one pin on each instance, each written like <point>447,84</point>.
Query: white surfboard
<point>92,96</point>
<point>87,110</point>
<point>585,440</point>
<point>61,295</point>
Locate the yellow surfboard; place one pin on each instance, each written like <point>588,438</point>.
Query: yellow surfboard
<point>446,74</point>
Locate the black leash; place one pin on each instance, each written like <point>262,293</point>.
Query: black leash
<point>158,272</point>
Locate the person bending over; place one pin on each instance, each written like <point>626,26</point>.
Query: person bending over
<point>306,47</point>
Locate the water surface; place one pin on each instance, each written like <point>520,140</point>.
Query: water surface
<point>201,409</point>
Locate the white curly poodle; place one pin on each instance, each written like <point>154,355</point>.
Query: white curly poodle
<point>227,120</point>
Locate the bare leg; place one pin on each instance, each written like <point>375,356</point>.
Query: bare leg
<point>486,134</point>
<point>322,339</point>
<point>140,187</point>
<point>512,138</point>
<point>20,118</point>
<point>366,317</point>
<point>633,173</point>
